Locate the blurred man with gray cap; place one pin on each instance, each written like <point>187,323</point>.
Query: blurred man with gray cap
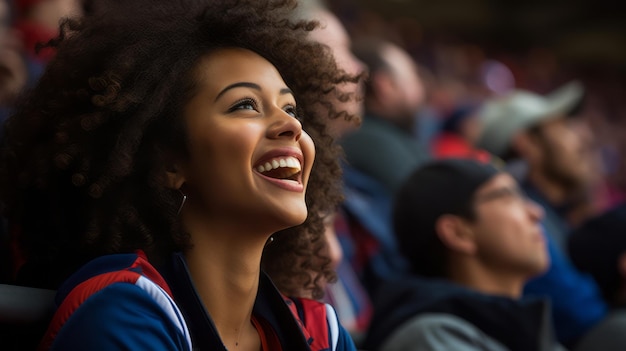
<point>556,148</point>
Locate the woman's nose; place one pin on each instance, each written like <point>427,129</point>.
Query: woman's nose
<point>284,125</point>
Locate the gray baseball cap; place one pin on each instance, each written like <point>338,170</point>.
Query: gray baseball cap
<point>504,116</point>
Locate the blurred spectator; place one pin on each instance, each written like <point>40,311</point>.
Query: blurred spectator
<point>557,152</point>
<point>379,156</point>
<point>384,148</point>
<point>473,240</point>
<point>599,248</point>
<point>556,148</point>
<point>333,34</point>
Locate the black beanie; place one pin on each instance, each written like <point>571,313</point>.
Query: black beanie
<point>439,187</point>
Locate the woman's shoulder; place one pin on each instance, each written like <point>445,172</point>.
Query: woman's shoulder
<point>118,314</point>
<point>119,297</point>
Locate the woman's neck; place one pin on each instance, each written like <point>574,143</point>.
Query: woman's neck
<point>225,268</point>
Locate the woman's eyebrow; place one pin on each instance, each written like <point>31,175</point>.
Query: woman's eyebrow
<point>251,85</point>
<point>238,85</point>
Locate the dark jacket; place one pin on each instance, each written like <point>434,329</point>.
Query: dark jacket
<point>440,315</point>
<point>384,152</point>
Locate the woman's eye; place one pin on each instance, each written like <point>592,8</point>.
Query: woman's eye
<point>245,104</point>
<point>292,111</point>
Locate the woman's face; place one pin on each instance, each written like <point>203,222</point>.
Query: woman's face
<point>249,159</point>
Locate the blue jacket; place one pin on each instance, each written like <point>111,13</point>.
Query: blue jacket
<point>139,311</point>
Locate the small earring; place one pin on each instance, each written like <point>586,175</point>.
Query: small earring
<point>269,241</point>
<point>182,203</point>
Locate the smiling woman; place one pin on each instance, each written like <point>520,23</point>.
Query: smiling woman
<point>173,155</point>
<point>242,118</point>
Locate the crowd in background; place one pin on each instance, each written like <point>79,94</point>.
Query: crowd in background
<point>460,79</point>
<point>457,67</point>
<point>453,70</point>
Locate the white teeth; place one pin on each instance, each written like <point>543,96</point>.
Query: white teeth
<point>290,162</point>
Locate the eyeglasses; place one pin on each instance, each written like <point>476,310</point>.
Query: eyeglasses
<point>506,192</point>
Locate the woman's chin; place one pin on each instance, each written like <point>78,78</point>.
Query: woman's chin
<point>293,219</point>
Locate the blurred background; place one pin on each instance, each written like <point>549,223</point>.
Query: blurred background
<point>484,47</point>
<point>464,48</point>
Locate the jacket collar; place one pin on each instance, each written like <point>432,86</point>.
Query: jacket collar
<point>269,305</point>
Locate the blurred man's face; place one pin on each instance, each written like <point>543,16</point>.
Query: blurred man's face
<point>507,230</point>
<point>566,157</point>
<point>333,34</point>
<point>409,90</point>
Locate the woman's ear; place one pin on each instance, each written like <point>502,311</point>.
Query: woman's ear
<point>174,173</point>
<point>175,177</point>
<point>455,234</point>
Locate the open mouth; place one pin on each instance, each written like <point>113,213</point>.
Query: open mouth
<point>286,168</point>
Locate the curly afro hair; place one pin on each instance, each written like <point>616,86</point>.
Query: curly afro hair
<point>82,165</point>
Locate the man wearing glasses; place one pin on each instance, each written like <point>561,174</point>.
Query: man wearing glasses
<point>473,240</point>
